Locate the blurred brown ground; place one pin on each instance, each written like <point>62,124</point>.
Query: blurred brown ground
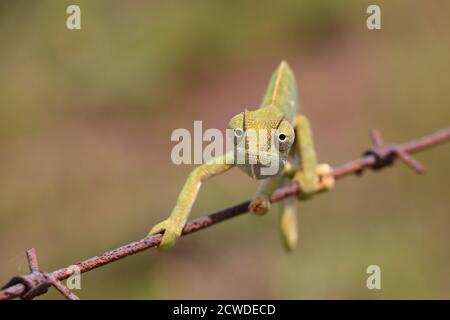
<point>86,118</point>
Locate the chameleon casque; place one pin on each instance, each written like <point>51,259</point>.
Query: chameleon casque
<point>290,132</point>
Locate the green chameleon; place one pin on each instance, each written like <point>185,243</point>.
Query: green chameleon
<point>294,152</point>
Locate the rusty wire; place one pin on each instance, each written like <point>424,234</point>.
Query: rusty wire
<point>379,156</point>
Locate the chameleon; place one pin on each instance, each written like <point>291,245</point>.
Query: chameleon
<point>294,153</point>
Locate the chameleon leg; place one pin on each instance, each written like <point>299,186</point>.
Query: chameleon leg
<point>172,227</point>
<point>261,202</point>
<point>307,175</point>
<point>288,224</point>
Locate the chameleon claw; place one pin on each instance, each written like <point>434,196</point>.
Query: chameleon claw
<point>259,206</point>
<point>171,233</point>
<point>326,178</point>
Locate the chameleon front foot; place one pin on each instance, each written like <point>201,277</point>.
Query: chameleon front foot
<point>171,232</point>
<point>259,206</point>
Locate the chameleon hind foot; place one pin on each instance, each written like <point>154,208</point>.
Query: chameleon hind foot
<point>326,178</point>
<point>259,206</point>
<point>322,180</point>
<point>171,231</point>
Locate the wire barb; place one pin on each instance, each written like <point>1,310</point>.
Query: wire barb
<point>386,154</point>
<point>37,282</point>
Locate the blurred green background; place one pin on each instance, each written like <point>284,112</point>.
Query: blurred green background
<point>86,118</point>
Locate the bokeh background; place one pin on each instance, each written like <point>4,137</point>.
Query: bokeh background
<point>86,118</point>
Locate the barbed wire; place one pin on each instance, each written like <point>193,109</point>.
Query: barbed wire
<point>377,157</point>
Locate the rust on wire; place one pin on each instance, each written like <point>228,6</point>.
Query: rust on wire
<point>63,289</point>
<point>386,154</point>
<point>36,282</point>
<point>32,260</point>
<point>378,157</point>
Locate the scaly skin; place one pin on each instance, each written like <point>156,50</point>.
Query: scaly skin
<point>294,153</point>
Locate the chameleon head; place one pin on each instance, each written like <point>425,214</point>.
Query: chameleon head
<point>262,140</point>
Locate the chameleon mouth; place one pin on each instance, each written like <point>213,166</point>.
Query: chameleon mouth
<point>259,165</point>
<point>262,158</point>
<point>259,172</point>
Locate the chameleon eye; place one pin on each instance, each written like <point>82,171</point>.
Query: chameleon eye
<point>238,132</point>
<point>281,137</point>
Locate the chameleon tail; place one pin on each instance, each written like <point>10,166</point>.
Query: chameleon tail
<point>288,224</point>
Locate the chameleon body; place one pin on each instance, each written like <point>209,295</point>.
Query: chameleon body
<point>294,155</point>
